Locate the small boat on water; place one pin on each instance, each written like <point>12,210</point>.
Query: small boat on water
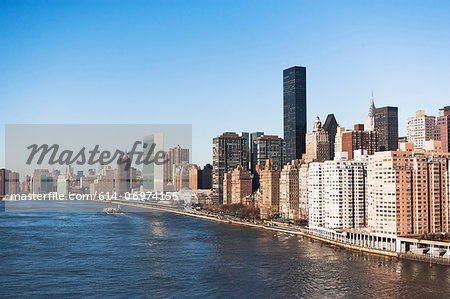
<point>111,210</point>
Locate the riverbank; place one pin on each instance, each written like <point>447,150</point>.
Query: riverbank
<point>288,230</point>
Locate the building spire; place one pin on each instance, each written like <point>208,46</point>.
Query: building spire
<point>370,122</point>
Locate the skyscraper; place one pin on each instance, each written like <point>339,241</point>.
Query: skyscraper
<point>420,129</point>
<point>294,110</point>
<point>370,122</point>
<point>386,124</point>
<point>252,148</point>
<point>229,151</point>
<point>270,147</point>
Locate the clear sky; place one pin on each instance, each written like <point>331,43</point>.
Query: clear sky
<point>218,64</point>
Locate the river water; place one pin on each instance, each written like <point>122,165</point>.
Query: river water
<point>152,254</point>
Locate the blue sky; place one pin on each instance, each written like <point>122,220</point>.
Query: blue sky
<point>218,64</point>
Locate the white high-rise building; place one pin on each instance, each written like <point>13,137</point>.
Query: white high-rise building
<point>344,191</point>
<point>381,203</point>
<point>337,192</point>
<point>315,194</point>
<point>420,129</point>
<point>303,190</point>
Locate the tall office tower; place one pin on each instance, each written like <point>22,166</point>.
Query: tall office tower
<point>270,191</point>
<point>152,173</point>
<point>420,129</point>
<point>174,157</point>
<point>331,127</point>
<point>344,191</point>
<point>104,182</point>
<point>350,141</point>
<point>315,195</point>
<point>241,184</point>
<point>229,151</point>
<point>289,190</point>
<point>122,179</point>
<point>303,191</point>
<point>370,122</point>
<point>317,143</point>
<point>443,128</point>
<point>253,150</point>
<point>386,124</point>
<point>42,181</point>
<point>408,192</point>
<point>270,147</point>
<point>294,110</point>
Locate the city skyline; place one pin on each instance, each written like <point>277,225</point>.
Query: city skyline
<point>229,149</point>
<point>348,52</point>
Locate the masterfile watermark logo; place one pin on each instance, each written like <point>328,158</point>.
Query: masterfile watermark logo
<point>101,161</point>
<point>55,156</point>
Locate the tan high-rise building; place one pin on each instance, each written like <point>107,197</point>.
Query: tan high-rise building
<point>193,179</point>
<point>303,191</point>
<point>317,143</point>
<point>420,129</point>
<point>408,192</point>
<point>289,190</point>
<point>227,185</point>
<point>270,191</point>
<point>241,184</point>
<point>338,140</point>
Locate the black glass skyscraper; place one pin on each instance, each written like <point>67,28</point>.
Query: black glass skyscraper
<point>294,109</point>
<point>386,124</point>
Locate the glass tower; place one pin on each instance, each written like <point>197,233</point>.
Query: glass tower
<point>294,110</point>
